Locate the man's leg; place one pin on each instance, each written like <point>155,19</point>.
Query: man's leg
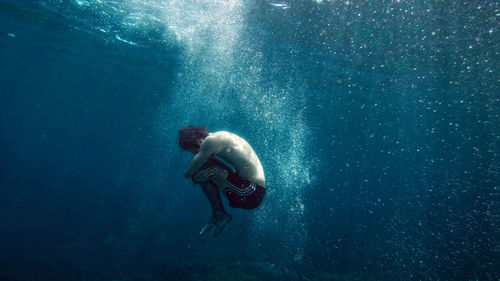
<point>219,215</point>
<point>213,196</point>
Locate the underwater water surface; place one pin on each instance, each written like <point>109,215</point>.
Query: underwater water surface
<point>377,123</point>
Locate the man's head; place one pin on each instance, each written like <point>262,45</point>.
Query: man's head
<point>190,138</point>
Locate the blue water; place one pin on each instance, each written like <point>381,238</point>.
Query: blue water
<point>377,123</point>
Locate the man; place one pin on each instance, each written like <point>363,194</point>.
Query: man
<point>243,185</point>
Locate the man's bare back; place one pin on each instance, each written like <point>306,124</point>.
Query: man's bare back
<point>233,149</point>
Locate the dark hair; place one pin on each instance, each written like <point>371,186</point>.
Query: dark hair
<point>188,136</point>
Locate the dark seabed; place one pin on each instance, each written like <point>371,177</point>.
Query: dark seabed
<point>377,123</point>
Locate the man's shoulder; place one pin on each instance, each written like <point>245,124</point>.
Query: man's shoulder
<point>221,136</point>
<point>216,140</point>
<point>225,138</point>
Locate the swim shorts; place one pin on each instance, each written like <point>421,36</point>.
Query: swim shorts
<point>240,192</point>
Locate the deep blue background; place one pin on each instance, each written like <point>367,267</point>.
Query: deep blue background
<point>398,107</point>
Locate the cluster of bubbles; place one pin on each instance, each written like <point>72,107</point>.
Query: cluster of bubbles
<point>222,83</point>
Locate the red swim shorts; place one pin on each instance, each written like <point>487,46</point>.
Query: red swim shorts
<point>240,192</point>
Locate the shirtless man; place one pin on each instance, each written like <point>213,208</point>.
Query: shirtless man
<point>243,184</point>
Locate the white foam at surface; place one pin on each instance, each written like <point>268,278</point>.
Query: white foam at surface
<point>124,40</point>
<point>280,5</point>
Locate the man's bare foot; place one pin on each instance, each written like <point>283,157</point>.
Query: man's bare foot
<point>219,221</point>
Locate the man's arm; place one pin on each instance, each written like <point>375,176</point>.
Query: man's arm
<point>207,148</point>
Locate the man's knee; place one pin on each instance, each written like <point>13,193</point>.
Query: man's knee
<point>220,174</point>
<point>211,173</point>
